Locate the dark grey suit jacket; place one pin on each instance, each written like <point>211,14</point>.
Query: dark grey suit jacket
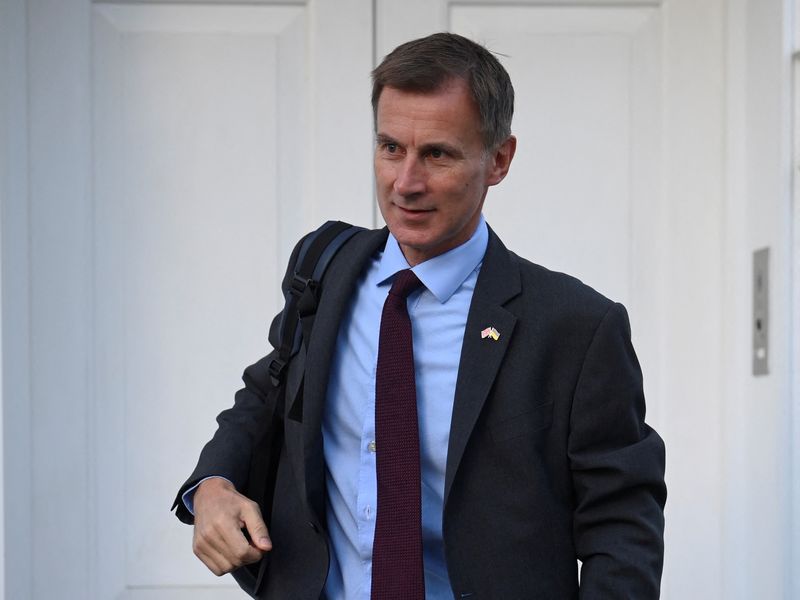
<point>549,458</point>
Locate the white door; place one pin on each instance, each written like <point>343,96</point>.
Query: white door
<point>177,151</point>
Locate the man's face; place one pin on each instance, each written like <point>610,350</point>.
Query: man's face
<point>431,168</point>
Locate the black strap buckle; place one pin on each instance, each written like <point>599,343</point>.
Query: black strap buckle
<point>276,368</point>
<point>299,284</point>
<point>307,292</point>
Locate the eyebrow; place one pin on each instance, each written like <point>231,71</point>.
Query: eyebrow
<point>447,148</point>
<point>385,139</point>
<point>382,138</point>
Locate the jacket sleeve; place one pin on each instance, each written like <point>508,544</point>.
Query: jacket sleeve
<point>228,453</point>
<point>617,464</point>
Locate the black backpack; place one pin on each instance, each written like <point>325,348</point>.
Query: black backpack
<point>297,319</point>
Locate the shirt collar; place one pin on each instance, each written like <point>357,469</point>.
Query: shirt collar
<point>442,274</point>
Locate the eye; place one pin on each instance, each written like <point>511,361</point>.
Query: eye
<point>390,147</point>
<point>436,153</point>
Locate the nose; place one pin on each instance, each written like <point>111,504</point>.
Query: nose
<point>410,179</point>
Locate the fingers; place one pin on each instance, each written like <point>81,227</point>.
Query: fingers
<point>222,552</point>
<point>255,526</point>
<point>220,514</point>
<point>210,556</point>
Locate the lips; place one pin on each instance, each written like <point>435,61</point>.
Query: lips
<point>415,211</point>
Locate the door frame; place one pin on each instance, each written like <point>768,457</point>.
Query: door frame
<point>15,418</point>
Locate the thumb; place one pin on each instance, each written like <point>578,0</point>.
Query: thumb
<point>257,529</point>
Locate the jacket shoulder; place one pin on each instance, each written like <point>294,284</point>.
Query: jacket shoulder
<point>559,291</point>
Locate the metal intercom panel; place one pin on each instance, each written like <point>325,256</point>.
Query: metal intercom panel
<point>761,312</point>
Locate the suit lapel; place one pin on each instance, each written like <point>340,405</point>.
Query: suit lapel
<point>498,282</point>
<point>306,446</point>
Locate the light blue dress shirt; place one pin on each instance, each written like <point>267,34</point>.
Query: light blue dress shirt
<point>438,317</point>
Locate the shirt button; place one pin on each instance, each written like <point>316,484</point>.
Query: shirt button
<point>371,446</point>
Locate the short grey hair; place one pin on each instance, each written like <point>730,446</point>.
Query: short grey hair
<point>427,64</point>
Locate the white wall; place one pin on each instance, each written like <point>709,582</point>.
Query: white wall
<point>756,415</point>
<point>794,564</point>
<point>6,50</point>
<point>692,172</point>
<point>15,526</point>
<point>79,525</point>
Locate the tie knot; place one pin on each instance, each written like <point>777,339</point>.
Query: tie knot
<point>404,283</point>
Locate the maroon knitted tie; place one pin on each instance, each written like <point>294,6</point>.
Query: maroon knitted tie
<point>397,570</point>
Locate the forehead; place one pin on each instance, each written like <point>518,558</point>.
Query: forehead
<point>448,109</point>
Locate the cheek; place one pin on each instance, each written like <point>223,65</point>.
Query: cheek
<point>384,175</point>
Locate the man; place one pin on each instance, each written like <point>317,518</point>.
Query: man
<point>529,443</point>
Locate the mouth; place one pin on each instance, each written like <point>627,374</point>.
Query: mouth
<point>414,211</point>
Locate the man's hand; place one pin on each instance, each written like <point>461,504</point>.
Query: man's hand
<point>220,514</point>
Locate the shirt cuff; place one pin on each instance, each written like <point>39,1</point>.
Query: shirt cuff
<point>188,496</point>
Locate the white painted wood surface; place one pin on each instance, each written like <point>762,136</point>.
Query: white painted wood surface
<point>759,550</point>
<point>164,173</point>
<point>187,140</point>
<point>61,256</point>
<point>177,155</point>
<point>206,171</point>
<point>586,82</point>
<point>794,541</point>
<point>15,272</point>
<point>10,133</point>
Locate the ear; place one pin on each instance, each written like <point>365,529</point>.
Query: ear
<point>501,161</point>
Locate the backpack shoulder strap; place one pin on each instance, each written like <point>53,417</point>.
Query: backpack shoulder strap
<point>316,253</point>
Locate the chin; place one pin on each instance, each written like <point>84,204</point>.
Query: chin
<point>411,240</point>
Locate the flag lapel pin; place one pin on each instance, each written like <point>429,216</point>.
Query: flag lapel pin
<point>490,332</point>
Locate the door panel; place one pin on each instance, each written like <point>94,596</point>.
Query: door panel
<point>569,202</point>
<point>203,181</point>
<point>189,131</point>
